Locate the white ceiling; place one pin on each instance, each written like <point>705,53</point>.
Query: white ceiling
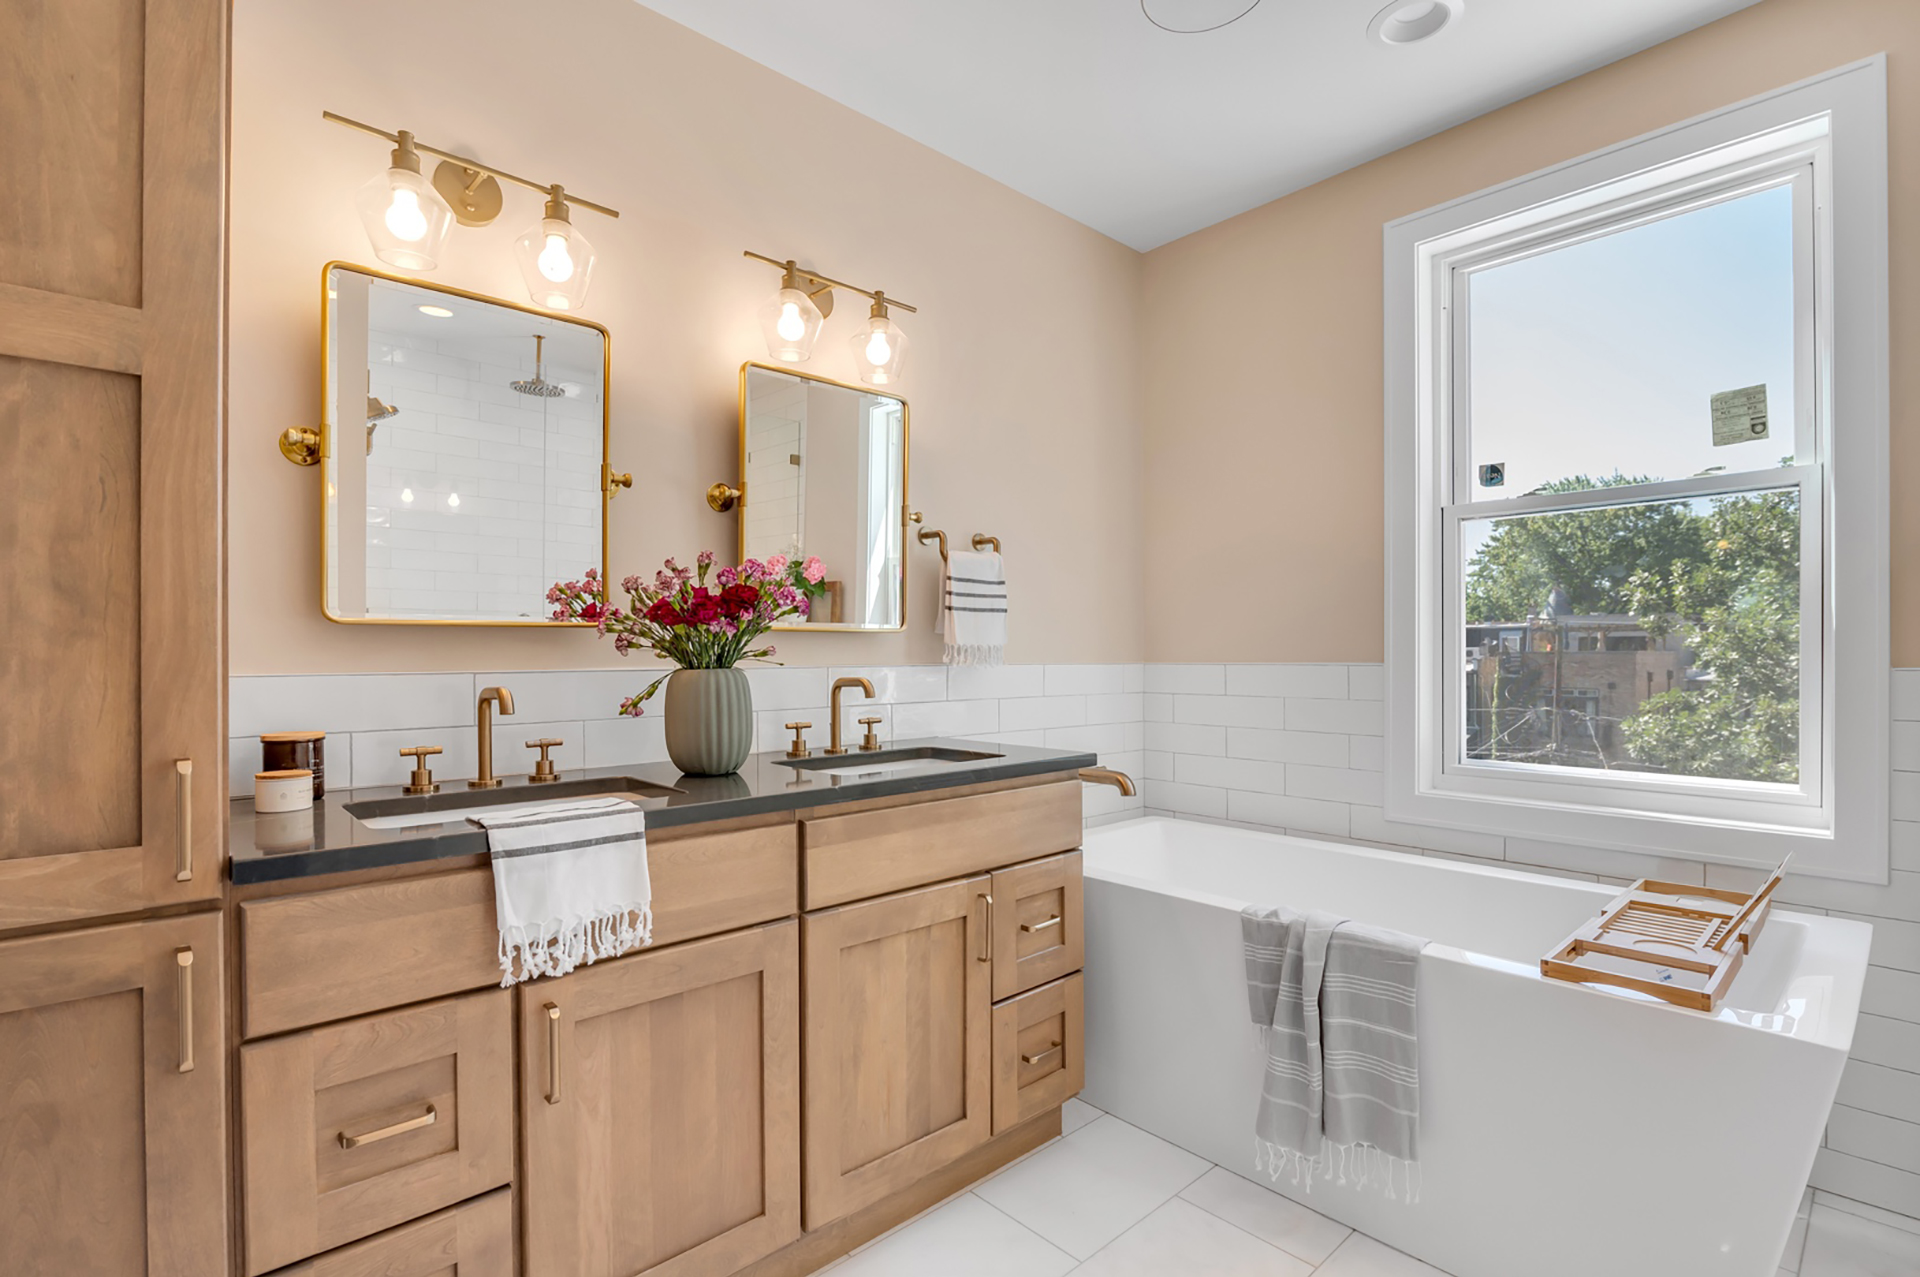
<point>1146,135</point>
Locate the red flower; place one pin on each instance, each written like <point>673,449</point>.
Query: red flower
<point>664,613</point>
<point>704,612</point>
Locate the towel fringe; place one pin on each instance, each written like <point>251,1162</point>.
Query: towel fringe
<point>1352,1165</point>
<point>559,947</point>
<point>974,654</point>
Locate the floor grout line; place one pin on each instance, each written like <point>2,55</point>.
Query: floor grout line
<point>1048,1241</point>
<point>1257,1237</point>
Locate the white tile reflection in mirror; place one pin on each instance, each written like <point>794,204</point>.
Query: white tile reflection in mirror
<point>1843,1244</point>
<point>463,473</point>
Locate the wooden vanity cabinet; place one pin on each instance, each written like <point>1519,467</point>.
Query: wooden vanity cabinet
<point>473,1239</point>
<point>660,1109</point>
<point>112,1101</point>
<point>897,1005</point>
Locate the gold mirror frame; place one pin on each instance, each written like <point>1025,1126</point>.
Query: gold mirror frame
<point>608,480</point>
<point>739,506</point>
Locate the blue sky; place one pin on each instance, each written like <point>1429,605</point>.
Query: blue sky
<point>1606,355</point>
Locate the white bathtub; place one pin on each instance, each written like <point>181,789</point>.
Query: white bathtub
<point>1565,1131</point>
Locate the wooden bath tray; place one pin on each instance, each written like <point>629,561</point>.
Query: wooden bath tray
<point>1678,943</point>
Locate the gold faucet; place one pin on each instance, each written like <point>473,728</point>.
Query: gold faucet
<point>839,685</point>
<point>488,697</point>
<point>1107,776</point>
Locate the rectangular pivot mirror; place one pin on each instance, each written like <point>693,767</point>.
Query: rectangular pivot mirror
<point>825,469</point>
<point>464,443</point>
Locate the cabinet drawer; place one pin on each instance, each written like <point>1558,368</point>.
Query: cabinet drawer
<point>1038,1040</point>
<point>1038,912</point>
<point>356,1127</point>
<point>474,1239</point>
<point>872,853</point>
<point>332,954</point>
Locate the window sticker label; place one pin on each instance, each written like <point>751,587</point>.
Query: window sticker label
<point>1739,416</point>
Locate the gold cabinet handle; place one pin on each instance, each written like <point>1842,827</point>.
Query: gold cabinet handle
<point>986,933</point>
<point>183,965</point>
<point>1035,1059</point>
<point>1031,927</point>
<point>553,1053</point>
<point>183,819</point>
<point>427,1118</point>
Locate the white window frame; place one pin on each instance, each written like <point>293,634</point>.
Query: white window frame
<point>1827,137</point>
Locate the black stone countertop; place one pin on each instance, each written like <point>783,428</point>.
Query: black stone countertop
<point>329,839</point>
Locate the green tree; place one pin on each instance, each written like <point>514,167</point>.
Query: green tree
<point>1739,609</point>
<point>1593,554</point>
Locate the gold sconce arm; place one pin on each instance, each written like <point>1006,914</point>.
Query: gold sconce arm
<point>722,497</point>
<point>467,185</point>
<point>818,281</point>
<point>300,445</point>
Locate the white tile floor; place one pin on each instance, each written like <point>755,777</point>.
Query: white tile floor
<point>1109,1200</point>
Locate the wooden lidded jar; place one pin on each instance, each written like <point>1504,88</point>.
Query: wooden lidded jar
<point>297,751</point>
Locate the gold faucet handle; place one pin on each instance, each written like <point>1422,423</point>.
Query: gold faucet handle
<point>799,748</point>
<point>872,742</point>
<point>543,771</point>
<point>421,782</point>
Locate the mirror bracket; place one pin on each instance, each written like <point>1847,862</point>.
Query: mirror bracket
<point>722,497</point>
<point>300,445</point>
<point>609,481</point>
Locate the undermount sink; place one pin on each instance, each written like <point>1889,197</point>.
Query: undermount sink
<point>881,762</point>
<point>456,803</point>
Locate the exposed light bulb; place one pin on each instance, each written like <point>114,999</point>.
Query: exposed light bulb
<point>406,494</point>
<point>879,350</point>
<point>404,217</point>
<point>556,263</point>
<point>453,498</point>
<point>791,326</point>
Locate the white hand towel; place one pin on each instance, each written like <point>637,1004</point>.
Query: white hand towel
<point>570,885</point>
<point>973,608</point>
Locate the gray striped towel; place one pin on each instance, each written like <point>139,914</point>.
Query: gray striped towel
<point>570,885</point>
<point>1333,1004</point>
<point>973,608</point>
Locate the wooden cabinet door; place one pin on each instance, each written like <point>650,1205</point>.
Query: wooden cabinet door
<point>660,1109</point>
<point>112,1112</point>
<point>898,1077</point>
<point>1039,1041</point>
<point>113,760</point>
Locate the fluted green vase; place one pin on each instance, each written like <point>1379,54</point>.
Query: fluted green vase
<point>709,721</point>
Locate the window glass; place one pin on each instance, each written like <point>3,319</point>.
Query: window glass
<point>1652,637</point>
<point>1627,354</point>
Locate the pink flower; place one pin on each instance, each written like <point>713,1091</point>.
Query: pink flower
<point>631,584</point>
<point>726,577</point>
<point>705,558</point>
<point>776,565</point>
<point>663,581</point>
<point>753,567</point>
<point>815,569</point>
<point>770,649</point>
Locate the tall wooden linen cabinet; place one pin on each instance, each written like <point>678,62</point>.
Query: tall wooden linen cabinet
<point>112,637</point>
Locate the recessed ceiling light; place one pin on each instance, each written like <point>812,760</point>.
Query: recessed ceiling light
<point>1196,17</point>
<point>1411,21</point>
<point>438,312</point>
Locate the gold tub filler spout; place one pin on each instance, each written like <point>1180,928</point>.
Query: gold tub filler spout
<point>1107,776</point>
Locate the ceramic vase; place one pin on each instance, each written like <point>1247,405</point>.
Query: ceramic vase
<point>709,717</point>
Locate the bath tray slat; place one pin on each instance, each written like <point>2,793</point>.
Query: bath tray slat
<point>1678,943</point>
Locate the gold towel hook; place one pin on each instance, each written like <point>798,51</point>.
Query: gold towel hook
<point>929,535</point>
<point>981,541</point>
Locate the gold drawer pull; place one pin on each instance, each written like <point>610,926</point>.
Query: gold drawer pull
<point>427,1118</point>
<point>986,933</point>
<point>553,1053</point>
<point>183,820</point>
<point>1031,927</point>
<point>183,961</point>
<point>1035,1059</point>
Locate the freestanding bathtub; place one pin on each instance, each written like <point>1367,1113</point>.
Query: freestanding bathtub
<point>1564,1132</point>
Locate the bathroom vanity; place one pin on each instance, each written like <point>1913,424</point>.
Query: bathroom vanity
<point>863,993</point>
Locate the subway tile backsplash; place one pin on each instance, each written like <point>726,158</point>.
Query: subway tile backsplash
<point>1289,747</point>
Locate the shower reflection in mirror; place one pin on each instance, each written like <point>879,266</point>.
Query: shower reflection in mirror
<point>480,482</point>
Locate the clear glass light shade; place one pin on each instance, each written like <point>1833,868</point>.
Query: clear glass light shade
<point>556,260</point>
<point>405,218</point>
<point>879,352</point>
<point>791,323</point>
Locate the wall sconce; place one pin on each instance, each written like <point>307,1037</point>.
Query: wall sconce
<point>792,319</point>
<point>408,217</point>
